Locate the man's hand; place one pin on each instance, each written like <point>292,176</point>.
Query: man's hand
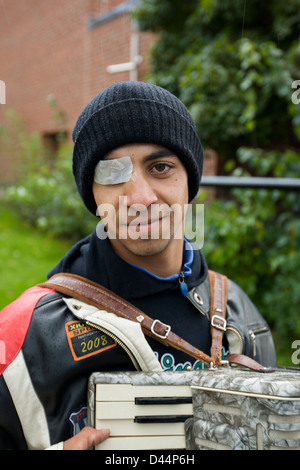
<point>86,438</point>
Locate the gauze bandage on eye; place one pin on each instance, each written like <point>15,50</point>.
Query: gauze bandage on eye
<point>118,170</point>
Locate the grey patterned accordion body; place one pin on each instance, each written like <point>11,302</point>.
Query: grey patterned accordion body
<point>233,409</point>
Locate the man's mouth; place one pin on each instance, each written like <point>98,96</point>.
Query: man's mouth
<point>145,227</point>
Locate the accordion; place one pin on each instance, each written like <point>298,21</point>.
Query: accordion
<point>222,409</point>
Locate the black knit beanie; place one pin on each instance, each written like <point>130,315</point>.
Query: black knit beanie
<point>133,112</point>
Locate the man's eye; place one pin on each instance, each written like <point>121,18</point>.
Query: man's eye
<point>161,168</point>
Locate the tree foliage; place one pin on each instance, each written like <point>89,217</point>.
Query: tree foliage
<point>233,64</point>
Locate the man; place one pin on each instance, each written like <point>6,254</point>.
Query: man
<point>137,163</point>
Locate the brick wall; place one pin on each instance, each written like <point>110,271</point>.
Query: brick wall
<point>48,48</point>
<point>42,49</point>
<point>110,44</point>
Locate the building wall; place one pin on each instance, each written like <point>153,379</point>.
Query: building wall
<point>47,49</point>
<point>42,51</point>
<point>61,49</point>
<point>109,43</point>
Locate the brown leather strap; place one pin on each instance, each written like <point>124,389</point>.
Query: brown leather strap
<point>102,298</point>
<point>218,303</point>
<point>245,361</point>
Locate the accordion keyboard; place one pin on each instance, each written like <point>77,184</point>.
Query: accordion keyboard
<point>143,416</point>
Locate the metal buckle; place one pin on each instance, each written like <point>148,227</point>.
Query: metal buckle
<point>219,327</point>
<point>157,334</point>
<point>224,363</point>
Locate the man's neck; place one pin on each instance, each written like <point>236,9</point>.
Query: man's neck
<point>166,263</point>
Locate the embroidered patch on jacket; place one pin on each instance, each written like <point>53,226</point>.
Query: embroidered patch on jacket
<point>85,341</point>
<point>78,420</point>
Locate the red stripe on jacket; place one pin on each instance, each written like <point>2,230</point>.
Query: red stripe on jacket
<point>14,323</point>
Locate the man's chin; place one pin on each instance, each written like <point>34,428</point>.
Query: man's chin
<point>145,247</point>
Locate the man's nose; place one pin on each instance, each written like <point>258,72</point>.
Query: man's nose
<point>139,191</point>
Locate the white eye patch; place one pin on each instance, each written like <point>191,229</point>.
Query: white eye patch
<point>118,170</point>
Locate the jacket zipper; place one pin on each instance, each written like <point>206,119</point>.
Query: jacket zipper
<point>182,284</point>
<point>253,334</point>
<point>120,343</point>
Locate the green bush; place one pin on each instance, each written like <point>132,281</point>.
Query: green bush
<point>254,238</point>
<point>47,198</point>
<point>44,193</point>
<point>233,64</point>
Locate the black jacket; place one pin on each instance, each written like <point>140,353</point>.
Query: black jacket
<point>43,387</point>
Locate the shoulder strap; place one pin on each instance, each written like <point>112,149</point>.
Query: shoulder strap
<point>218,284</point>
<point>102,298</point>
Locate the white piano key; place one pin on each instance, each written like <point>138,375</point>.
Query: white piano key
<point>143,443</point>
<point>128,410</point>
<point>127,427</point>
<point>128,392</point>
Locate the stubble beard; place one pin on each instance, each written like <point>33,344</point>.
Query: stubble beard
<point>147,247</point>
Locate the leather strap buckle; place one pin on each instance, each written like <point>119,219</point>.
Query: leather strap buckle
<point>168,329</point>
<point>219,326</point>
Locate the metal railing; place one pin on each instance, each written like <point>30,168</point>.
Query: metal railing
<point>229,182</point>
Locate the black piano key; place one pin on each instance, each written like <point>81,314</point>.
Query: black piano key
<point>162,400</point>
<point>162,419</point>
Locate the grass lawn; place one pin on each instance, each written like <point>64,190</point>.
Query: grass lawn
<point>26,256</point>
